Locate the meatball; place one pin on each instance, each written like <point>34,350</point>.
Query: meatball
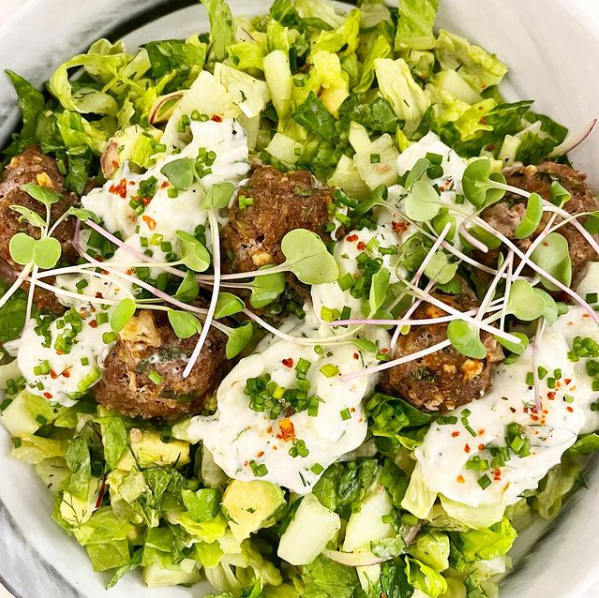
<point>281,202</point>
<point>445,379</point>
<point>33,167</point>
<point>148,344</point>
<point>506,215</point>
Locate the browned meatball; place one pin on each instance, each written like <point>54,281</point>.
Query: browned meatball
<point>33,167</point>
<point>148,344</point>
<point>282,202</point>
<point>445,379</point>
<point>506,215</point>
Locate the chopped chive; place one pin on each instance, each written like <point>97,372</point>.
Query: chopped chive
<point>484,482</point>
<point>345,414</point>
<point>317,469</point>
<point>155,377</point>
<point>259,470</point>
<point>329,370</point>
<point>109,337</point>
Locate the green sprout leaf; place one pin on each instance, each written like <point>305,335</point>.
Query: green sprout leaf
<point>180,173</point>
<point>423,202</point>
<point>228,305</point>
<point>194,255</point>
<point>478,183</point>
<point>378,290</point>
<point>524,302</point>
<point>516,348</point>
<point>553,256</point>
<point>418,171</point>
<point>365,345</point>
<point>41,194</point>
<point>551,310</point>
<point>465,338</point>
<point>21,248</point>
<point>265,289</point>
<point>219,196</point>
<point>29,216</point>
<point>559,195</point>
<point>532,217</point>
<point>84,215</point>
<point>189,289</point>
<point>440,268</point>
<point>308,258</point>
<point>239,339</point>
<point>122,314</point>
<point>184,324</point>
<point>44,253</point>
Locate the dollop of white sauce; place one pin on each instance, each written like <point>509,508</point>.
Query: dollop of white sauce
<point>238,436</point>
<point>70,374</point>
<point>565,414</point>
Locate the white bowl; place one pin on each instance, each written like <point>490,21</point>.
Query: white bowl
<point>553,54</point>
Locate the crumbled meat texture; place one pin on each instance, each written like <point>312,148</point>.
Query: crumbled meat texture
<point>282,202</point>
<point>507,214</point>
<point>148,344</point>
<point>445,379</point>
<point>33,167</point>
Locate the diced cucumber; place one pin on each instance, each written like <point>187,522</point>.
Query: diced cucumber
<point>212,475</point>
<point>285,149</point>
<point>53,473</point>
<point>311,529</point>
<point>367,524</point>
<point>77,511</point>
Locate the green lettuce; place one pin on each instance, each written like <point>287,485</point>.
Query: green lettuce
<point>485,544</point>
<point>479,69</point>
<point>12,314</point>
<point>176,55</point>
<point>327,579</point>
<point>556,485</point>
<point>415,25</point>
<point>425,578</point>
<point>222,32</point>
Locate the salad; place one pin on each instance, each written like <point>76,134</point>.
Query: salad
<point>301,306</point>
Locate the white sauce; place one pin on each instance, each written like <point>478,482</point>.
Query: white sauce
<point>236,435</point>
<point>70,373</point>
<point>443,455</point>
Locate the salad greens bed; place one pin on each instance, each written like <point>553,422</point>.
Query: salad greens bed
<point>137,497</point>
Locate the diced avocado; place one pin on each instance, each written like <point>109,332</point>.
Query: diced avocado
<point>27,414</point>
<point>250,506</point>
<point>34,449</point>
<point>53,473</point>
<point>76,510</point>
<point>157,576</point>
<point>150,450</point>
<point>312,528</point>
<point>126,485</point>
<point>367,524</point>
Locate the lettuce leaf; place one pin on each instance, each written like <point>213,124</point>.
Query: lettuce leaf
<point>222,32</point>
<point>425,578</point>
<point>327,579</point>
<point>415,25</point>
<point>176,55</point>
<point>485,544</point>
<point>479,69</point>
<point>12,314</point>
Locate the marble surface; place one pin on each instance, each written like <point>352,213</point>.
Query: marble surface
<point>589,8</point>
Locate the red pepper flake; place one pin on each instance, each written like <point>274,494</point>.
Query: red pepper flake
<point>269,430</point>
<point>466,448</point>
<point>165,184</point>
<point>66,373</point>
<point>246,463</point>
<point>99,295</point>
<point>288,363</point>
<point>119,189</point>
<point>551,395</point>
<point>59,352</point>
<point>400,227</point>
<point>361,246</point>
<point>570,409</point>
<point>53,375</point>
<point>567,380</point>
<point>48,395</point>
<point>455,434</point>
<point>216,118</point>
<point>356,356</point>
<point>351,238</point>
<point>481,447</point>
<point>260,454</point>
<point>287,431</point>
<point>535,418</point>
<point>275,447</point>
<point>353,409</point>
<point>481,432</point>
<point>460,479</point>
<point>384,351</point>
<point>93,324</point>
